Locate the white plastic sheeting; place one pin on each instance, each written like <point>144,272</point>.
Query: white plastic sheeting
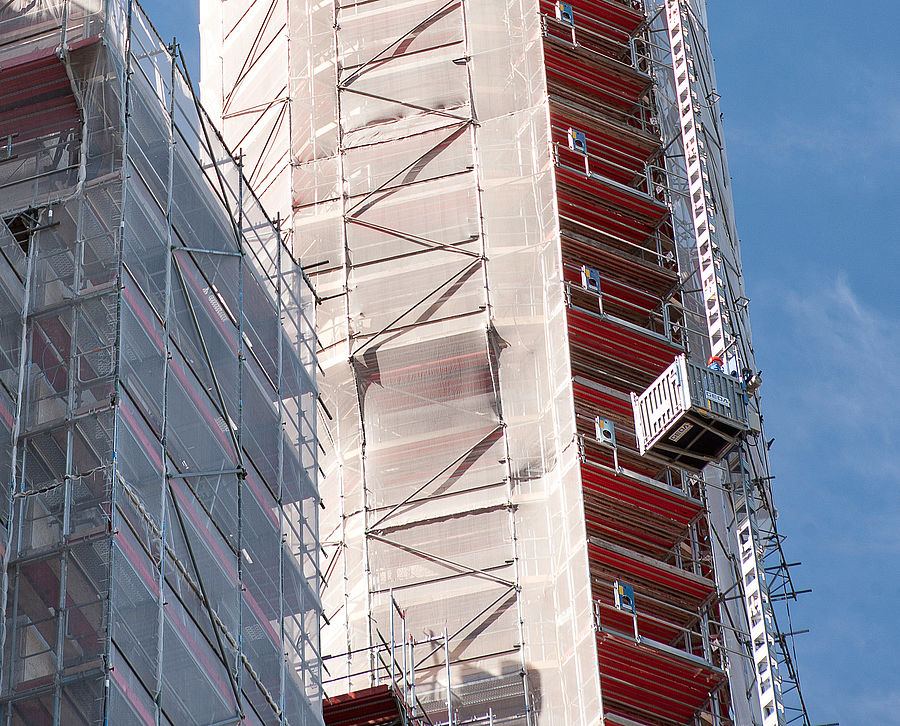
<point>409,142</point>
<point>422,194</point>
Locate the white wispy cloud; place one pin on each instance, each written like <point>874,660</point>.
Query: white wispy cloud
<point>835,386</point>
<point>875,707</point>
<point>850,123</point>
<point>846,384</point>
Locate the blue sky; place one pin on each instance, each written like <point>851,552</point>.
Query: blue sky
<point>811,96</point>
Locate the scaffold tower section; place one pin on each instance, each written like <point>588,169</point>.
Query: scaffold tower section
<point>157,397</point>
<point>506,255</point>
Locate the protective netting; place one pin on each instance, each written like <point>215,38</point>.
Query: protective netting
<point>423,199</point>
<point>458,172</point>
<point>157,397</point>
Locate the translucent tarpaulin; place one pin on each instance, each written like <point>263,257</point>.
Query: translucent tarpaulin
<point>457,169</point>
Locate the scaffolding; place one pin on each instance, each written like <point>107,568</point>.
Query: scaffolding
<point>497,217</point>
<point>400,699</point>
<point>157,396</point>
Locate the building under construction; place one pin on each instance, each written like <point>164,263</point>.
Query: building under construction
<point>542,506</point>
<point>157,397</point>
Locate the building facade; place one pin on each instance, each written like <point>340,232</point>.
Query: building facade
<point>517,217</point>
<point>157,392</point>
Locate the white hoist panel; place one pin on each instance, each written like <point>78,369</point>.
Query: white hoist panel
<point>690,415</point>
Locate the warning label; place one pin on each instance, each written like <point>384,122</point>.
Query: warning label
<point>680,431</point>
<point>710,396</point>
